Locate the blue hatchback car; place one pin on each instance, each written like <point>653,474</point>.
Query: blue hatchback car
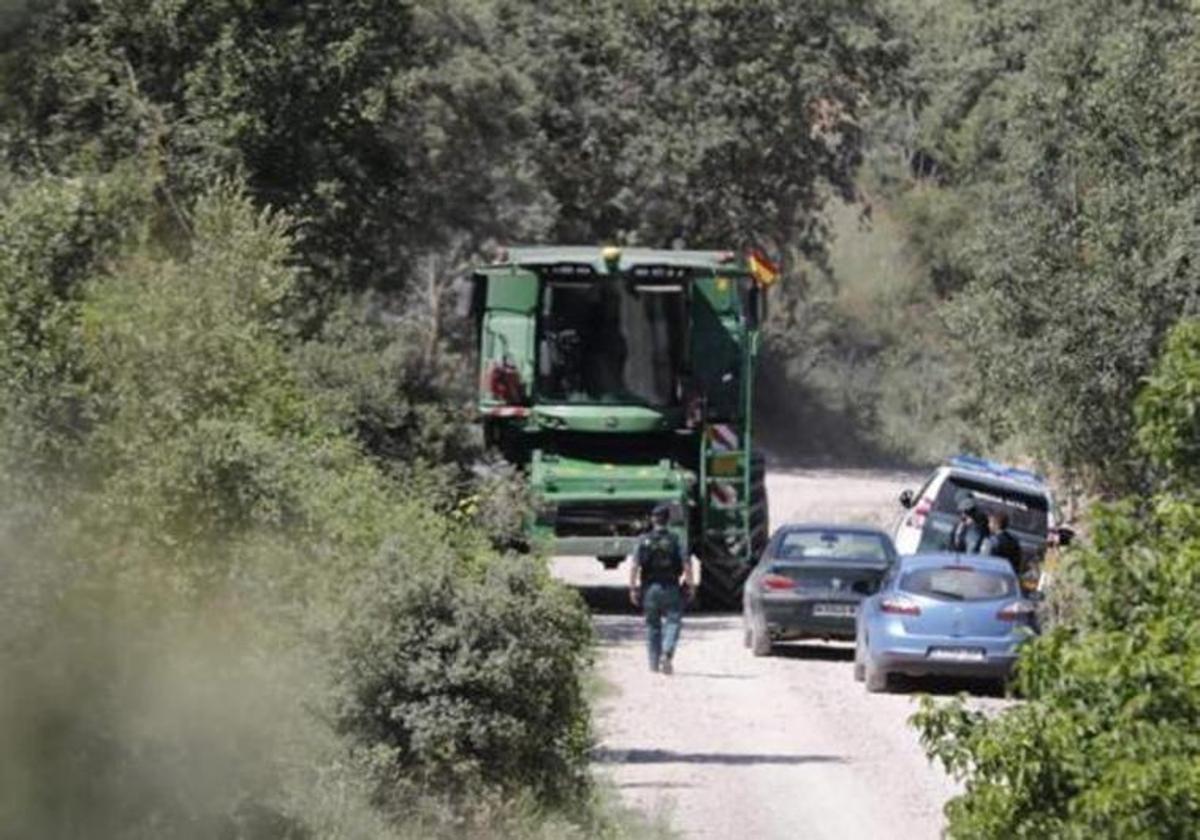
<point>959,615</point>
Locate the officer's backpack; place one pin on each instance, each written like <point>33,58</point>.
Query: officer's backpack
<point>663,562</point>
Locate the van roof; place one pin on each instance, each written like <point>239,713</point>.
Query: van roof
<point>1015,475</point>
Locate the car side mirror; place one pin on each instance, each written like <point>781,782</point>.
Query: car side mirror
<point>1066,535</point>
<point>906,499</point>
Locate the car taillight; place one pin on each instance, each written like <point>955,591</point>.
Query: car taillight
<point>1016,611</point>
<point>899,606</point>
<point>776,582</point>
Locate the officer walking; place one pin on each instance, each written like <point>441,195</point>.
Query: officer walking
<point>971,531</point>
<point>1002,543</point>
<point>660,579</point>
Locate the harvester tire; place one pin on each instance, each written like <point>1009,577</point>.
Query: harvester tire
<point>720,585</point>
<point>722,576</point>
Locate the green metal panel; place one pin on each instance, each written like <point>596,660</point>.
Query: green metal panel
<point>577,479</point>
<point>606,418</point>
<point>718,293</point>
<point>512,289</point>
<point>559,480</point>
<point>717,367</point>
<point>507,337</point>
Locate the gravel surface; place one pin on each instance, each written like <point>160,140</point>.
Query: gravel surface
<point>735,746</point>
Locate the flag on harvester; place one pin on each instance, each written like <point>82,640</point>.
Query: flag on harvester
<point>764,271</point>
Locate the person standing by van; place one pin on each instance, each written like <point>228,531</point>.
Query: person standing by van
<point>1002,543</point>
<point>971,531</point>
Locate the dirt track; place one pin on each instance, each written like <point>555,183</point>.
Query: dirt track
<point>734,746</point>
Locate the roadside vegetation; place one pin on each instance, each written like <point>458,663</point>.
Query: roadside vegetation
<point>1053,149</point>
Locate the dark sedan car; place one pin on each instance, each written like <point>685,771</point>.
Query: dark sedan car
<point>810,581</point>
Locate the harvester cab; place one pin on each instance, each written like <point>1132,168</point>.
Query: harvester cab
<point>619,379</point>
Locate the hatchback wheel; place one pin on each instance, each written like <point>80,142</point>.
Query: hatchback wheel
<point>875,679</point>
<point>760,642</point>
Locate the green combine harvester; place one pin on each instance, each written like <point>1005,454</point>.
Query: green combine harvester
<point>621,378</point>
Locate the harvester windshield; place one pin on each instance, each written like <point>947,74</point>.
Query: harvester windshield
<point>612,342</point>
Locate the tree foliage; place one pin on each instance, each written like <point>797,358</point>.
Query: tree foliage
<point>1065,134</point>
<point>206,550</point>
<point>391,131</point>
<point>1168,409</point>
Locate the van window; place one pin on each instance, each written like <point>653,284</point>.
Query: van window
<point>1026,511</point>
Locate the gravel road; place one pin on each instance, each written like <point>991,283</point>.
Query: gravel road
<point>735,746</point>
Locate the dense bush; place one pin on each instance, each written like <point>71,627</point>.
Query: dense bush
<point>1168,409</point>
<point>197,582</point>
<point>465,681</point>
<point>1106,742</point>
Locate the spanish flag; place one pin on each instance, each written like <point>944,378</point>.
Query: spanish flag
<point>764,271</point>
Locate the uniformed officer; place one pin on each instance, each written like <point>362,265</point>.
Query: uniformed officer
<point>1002,543</point>
<point>660,580</point>
<point>971,532</point>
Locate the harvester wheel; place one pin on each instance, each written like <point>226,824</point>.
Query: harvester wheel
<point>720,585</point>
<point>722,575</point>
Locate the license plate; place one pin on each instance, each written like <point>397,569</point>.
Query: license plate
<point>952,654</point>
<point>835,610</point>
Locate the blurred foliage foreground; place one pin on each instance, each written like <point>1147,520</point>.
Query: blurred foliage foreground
<point>218,617</point>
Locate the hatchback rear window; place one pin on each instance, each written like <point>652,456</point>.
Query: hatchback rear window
<point>959,583</point>
<point>833,545</point>
<point>1026,511</point>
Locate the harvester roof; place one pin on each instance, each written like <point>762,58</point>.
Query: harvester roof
<point>599,257</point>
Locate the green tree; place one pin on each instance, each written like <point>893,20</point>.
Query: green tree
<point>1168,409</point>
<point>716,122</point>
<point>1066,135</point>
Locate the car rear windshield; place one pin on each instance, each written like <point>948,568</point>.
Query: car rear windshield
<point>832,545</point>
<point>1026,511</point>
<point>959,583</point>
